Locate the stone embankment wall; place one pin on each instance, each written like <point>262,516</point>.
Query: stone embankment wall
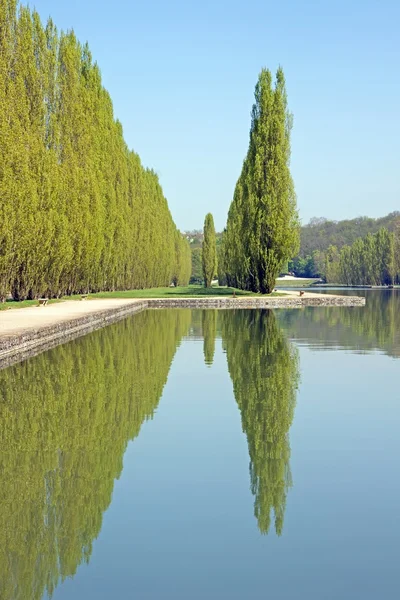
<point>21,346</point>
<point>254,302</point>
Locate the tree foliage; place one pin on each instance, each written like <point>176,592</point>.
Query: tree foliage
<point>209,251</point>
<point>373,260</point>
<point>197,266</point>
<point>60,457</point>
<point>78,211</point>
<point>320,233</point>
<point>264,368</point>
<point>262,230</point>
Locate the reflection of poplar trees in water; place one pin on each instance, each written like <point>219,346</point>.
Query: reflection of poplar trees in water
<point>375,326</point>
<point>65,420</point>
<point>264,369</point>
<point>209,327</point>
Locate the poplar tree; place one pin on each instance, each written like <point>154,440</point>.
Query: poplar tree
<point>368,261</point>
<point>263,229</point>
<point>209,251</point>
<point>78,211</point>
<point>9,131</point>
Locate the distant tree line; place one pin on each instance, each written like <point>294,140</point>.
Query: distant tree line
<point>196,276</point>
<point>373,260</point>
<point>78,211</point>
<point>262,227</point>
<point>320,233</point>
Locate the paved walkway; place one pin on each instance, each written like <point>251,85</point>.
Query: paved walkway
<point>22,320</point>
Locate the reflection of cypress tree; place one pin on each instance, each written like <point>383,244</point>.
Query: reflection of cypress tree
<point>65,420</point>
<point>265,373</point>
<point>209,326</point>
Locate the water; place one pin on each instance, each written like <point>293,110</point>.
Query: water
<point>202,454</point>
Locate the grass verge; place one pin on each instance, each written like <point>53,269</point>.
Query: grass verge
<point>189,291</point>
<point>289,283</point>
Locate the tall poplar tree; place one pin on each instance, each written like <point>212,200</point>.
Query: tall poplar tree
<point>263,228</point>
<point>209,251</point>
<point>78,211</point>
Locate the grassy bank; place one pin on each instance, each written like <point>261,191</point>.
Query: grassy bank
<point>172,292</point>
<point>300,283</point>
<point>167,292</point>
<point>26,303</point>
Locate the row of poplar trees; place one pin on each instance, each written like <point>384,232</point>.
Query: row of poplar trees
<point>78,211</point>
<point>373,260</point>
<point>262,230</point>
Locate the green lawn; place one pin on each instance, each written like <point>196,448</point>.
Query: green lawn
<point>25,303</point>
<point>293,283</point>
<point>170,292</point>
<point>167,292</point>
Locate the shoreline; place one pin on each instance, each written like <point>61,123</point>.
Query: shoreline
<point>30,331</point>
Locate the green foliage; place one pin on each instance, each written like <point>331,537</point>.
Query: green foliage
<point>209,251</point>
<point>183,261</point>
<point>264,368</point>
<point>373,260</point>
<point>321,233</point>
<point>78,211</point>
<point>262,231</point>
<point>209,329</point>
<point>197,266</point>
<point>369,261</point>
<point>221,262</point>
<point>66,417</point>
<point>309,266</point>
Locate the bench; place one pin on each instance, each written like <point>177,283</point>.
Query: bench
<point>84,296</point>
<point>43,301</point>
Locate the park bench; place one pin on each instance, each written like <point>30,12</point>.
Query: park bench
<point>43,301</point>
<point>84,296</point>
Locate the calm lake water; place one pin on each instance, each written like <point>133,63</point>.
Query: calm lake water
<point>207,455</point>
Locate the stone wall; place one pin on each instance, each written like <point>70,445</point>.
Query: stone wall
<point>22,346</point>
<point>255,302</point>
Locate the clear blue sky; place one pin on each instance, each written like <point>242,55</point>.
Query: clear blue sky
<point>182,77</point>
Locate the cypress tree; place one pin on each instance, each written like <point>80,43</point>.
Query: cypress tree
<point>209,251</point>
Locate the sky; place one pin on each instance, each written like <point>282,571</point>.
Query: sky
<point>182,75</point>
